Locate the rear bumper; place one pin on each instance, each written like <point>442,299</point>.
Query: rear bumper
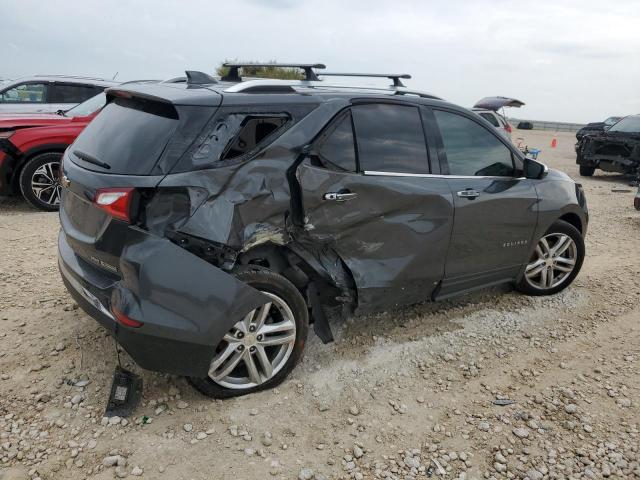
<point>186,304</point>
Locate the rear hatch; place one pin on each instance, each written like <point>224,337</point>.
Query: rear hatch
<point>115,165</point>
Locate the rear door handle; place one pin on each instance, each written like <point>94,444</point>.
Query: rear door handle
<point>339,197</point>
<point>469,193</point>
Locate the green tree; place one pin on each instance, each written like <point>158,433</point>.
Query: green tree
<point>264,72</point>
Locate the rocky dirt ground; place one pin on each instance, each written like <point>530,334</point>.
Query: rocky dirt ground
<point>409,394</point>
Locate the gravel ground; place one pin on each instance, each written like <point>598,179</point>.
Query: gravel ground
<point>410,394</point>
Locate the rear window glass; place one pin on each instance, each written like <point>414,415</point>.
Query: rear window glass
<point>390,138</point>
<point>128,137</point>
<point>338,150</point>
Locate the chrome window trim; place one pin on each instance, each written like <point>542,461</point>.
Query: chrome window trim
<point>432,175</point>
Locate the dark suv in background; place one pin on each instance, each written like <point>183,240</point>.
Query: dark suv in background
<point>205,224</point>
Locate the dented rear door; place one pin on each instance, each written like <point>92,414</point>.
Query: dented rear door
<point>391,226</point>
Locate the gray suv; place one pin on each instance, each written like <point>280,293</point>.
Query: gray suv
<point>206,224</point>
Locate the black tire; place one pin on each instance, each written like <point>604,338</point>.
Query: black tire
<point>27,175</point>
<point>559,227</point>
<point>587,171</point>
<point>268,281</point>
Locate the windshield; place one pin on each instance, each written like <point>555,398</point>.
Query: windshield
<point>611,120</point>
<point>627,124</point>
<point>88,106</point>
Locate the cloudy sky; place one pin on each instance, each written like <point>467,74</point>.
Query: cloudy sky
<point>568,60</point>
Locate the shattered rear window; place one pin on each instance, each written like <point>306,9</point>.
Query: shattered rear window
<point>237,134</point>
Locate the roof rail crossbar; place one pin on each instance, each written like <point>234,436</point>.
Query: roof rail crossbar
<point>307,68</point>
<point>392,76</point>
<point>199,78</point>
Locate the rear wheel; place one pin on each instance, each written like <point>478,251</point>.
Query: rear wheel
<point>40,181</point>
<point>555,262</point>
<point>587,171</point>
<point>260,350</point>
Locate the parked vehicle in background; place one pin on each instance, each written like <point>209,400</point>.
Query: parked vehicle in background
<point>48,93</point>
<point>31,146</point>
<point>525,125</point>
<point>498,121</point>
<point>596,127</point>
<point>616,149</point>
<point>489,107</point>
<point>202,225</point>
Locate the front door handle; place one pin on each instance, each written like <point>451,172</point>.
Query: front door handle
<point>469,193</point>
<point>339,197</point>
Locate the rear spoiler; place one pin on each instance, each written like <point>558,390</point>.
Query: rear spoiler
<point>167,93</point>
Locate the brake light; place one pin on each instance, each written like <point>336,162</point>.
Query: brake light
<point>115,201</point>
<point>508,128</point>
<point>124,320</point>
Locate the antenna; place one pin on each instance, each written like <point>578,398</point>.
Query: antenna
<point>114,77</point>
<point>307,68</point>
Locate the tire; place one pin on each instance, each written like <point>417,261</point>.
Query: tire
<point>587,171</point>
<point>42,169</point>
<point>280,289</point>
<point>532,286</point>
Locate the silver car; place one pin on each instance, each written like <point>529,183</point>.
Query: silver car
<point>48,93</point>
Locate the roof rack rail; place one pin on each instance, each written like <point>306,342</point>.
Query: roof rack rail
<point>199,78</point>
<point>76,77</point>
<point>307,68</point>
<point>392,76</point>
<point>289,86</point>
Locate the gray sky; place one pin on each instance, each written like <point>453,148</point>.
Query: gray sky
<point>567,60</point>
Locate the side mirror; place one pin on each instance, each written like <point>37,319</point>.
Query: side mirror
<point>534,169</point>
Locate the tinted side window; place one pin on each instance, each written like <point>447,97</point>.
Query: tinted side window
<point>25,93</point>
<point>471,149</point>
<point>390,138</point>
<point>338,149</point>
<point>66,93</point>
<point>253,130</point>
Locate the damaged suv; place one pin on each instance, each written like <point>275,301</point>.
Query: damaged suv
<point>207,225</point>
<point>614,150</point>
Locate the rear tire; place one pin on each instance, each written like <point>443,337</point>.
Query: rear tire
<point>555,258</point>
<point>587,171</point>
<point>287,301</point>
<point>40,183</point>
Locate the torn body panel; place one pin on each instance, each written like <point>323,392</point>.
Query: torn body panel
<point>393,235</point>
<point>186,304</point>
<point>610,152</point>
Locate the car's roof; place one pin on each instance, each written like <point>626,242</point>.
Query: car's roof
<point>268,92</point>
<point>101,82</point>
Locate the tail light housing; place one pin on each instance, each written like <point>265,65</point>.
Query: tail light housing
<point>115,201</point>
<point>124,320</point>
<point>508,128</point>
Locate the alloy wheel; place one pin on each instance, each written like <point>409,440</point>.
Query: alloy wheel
<point>553,261</point>
<point>257,347</point>
<point>45,183</point>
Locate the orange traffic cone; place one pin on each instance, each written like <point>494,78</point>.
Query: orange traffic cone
<point>554,142</point>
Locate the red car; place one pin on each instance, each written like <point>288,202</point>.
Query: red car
<point>31,146</point>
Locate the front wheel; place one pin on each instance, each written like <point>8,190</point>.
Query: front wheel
<point>260,350</point>
<point>555,261</point>
<point>40,182</point>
